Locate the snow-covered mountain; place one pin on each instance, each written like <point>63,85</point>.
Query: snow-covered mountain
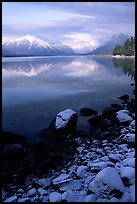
<point>108,47</point>
<point>33,46</point>
<point>86,49</point>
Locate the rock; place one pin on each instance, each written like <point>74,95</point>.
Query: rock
<point>11,199</point>
<point>20,191</point>
<point>124,97</point>
<point>129,138</point>
<point>98,166</point>
<point>80,149</point>
<point>90,198</point>
<point>128,175</point>
<point>117,106</point>
<point>88,112</point>
<point>109,112</point>
<point>81,170</point>
<point>107,183</point>
<point>55,197</point>
<point>70,185</point>
<point>49,134</point>
<point>66,119</point>
<point>26,199</point>
<point>129,162</point>
<point>13,138</point>
<point>44,182</point>
<point>13,151</point>
<point>69,196</point>
<point>132,192</point>
<point>62,177</point>
<point>126,197</point>
<point>114,157</point>
<point>123,116</point>
<point>42,191</point>
<point>32,192</point>
<point>132,124</point>
<point>96,120</point>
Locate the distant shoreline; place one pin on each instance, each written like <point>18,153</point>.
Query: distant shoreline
<point>114,56</point>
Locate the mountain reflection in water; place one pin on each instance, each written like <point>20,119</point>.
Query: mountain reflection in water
<point>35,89</point>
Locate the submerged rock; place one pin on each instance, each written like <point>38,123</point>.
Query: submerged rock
<point>88,112</point>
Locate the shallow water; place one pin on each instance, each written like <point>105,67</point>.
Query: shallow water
<point>35,89</point>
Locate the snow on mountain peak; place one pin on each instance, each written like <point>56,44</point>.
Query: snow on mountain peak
<point>31,40</point>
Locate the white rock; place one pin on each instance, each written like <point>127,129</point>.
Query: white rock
<point>126,197</point>
<point>129,162</point>
<point>132,192</point>
<point>55,197</point>
<point>123,116</point>
<point>114,157</point>
<point>123,147</point>
<point>105,158</point>
<point>32,192</point>
<point>113,199</point>
<point>42,191</point>
<point>45,199</point>
<point>132,123</point>
<point>20,191</point>
<point>70,185</point>
<point>99,165</point>
<point>44,182</point>
<point>129,137</point>
<point>102,200</point>
<point>63,118</point>
<point>90,198</point>
<point>99,151</point>
<point>23,200</point>
<point>81,170</point>
<point>105,181</point>
<point>11,199</point>
<point>80,149</point>
<point>60,178</point>
<point>128,173</point>
<point>69,196</point>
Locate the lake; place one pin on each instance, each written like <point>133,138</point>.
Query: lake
<point>35,89</point>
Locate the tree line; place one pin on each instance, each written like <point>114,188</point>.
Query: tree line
<point>128,49</point>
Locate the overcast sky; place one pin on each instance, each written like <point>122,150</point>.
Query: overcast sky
<point>77,24</point>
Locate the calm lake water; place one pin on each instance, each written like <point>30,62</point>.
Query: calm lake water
<point>35,89</point>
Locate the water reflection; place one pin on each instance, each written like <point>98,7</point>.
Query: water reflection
<point>127,64</point>
<point>36,89</point>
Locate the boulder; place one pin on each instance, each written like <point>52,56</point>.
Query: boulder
<point>109,112</point>
<point>124,97</point>
<point>88,112</point>
<point>123,116</point>
<point>128,175</point>
<point>13,138</point>
<point>129,138</point>
<point>117,106</point>
<point>55,197</point>
<point>66,120</point>
<point>96,120</point>
<point>13,151</point>
<point>81,170</point>
<point>107,183</point>
<point>59,131</point>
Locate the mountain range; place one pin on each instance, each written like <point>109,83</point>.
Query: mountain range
<point>33,46</point>
<point>108,47</point>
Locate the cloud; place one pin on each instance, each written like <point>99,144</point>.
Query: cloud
<point>71,22</point>
<point>80,40</point>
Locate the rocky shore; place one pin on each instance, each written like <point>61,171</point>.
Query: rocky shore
<point>69,165</point>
